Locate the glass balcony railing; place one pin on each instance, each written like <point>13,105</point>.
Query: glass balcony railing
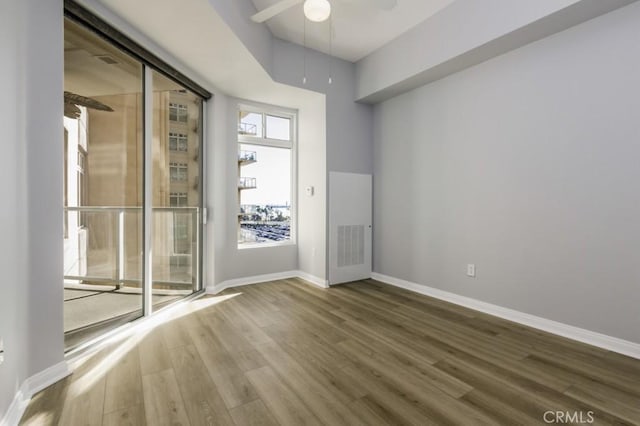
<point>104,245</point>
<point>246,157</point>
<point>247,183</point>
<point>247,129</point>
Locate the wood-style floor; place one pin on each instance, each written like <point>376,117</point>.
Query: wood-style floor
<point>358,354</point>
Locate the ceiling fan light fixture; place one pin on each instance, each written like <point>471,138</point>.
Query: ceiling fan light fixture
<point>317,10</point>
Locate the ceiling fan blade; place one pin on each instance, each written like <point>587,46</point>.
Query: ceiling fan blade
<point>271,11</point>
<point>380,4</point>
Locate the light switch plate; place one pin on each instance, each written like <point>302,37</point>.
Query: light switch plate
<point>471,270</point>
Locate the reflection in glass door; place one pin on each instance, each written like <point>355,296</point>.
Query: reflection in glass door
<point>102,191</point>
<point>114,188</point>
<point>177,130</point>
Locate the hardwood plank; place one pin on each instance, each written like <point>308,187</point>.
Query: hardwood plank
<point>386,401</point>
<point>202,401</point>
<point>527,396</point>
<point>378,408</point>
<point>226,332</point>
<point>596,371</point>
<point>383,340</point>
<point>153,353</point>
<point>243,322</point>
<point>163,403</point>
<point>317,395</point>
<point>443,407</point>
<point>223,370</point>
<point>327,372</point>
<point>623,363</point>
<point>253,413</point>
<point>501,411</point>
<point>249,360</point>
<point>175,333</point>
<point>46,406</point>
<point>286,352</point>
<point>124,383</point>
<point>363,409</point>
<point>283,403</point>
<point>133,415</point>
<point>417,374</point>
<point>616,403</point>
<point>84,404</point>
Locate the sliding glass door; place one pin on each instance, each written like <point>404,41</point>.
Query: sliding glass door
<point>177,130</point>
<point>117,158</point>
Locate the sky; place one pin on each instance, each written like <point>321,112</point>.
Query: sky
<point>272,169</point>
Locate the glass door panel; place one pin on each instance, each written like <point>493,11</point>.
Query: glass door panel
<point>177,199</point>
<point>103,192</point>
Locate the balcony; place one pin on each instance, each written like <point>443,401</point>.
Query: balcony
<point>103,264</point>
<point>247,157</point>
<point>247,183</point>
<point>247,129</point>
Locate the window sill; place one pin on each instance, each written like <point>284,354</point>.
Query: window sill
<point>246,246</point>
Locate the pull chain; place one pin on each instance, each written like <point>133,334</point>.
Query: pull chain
<point>304,45</point>
<point>330,48</point>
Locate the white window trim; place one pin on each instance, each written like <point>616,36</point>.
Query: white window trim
<point>292,144</point>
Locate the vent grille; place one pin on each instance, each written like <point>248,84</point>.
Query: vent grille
<point>350,245</point>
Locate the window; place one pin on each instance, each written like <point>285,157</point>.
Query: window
<point>178,142</point>
<point>181,233</point>
<point>178,172</point>
<point>250,124</point>
<point>278,128</point>
<point>178,113</point>
<point>178,199</point>
<point>265,177</point>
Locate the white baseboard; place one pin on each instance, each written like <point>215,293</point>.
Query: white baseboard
<point>16,409</point>
<point>593,338</point>
<point>256,279</point>
<point>30,387</point>
<point>318,282</point>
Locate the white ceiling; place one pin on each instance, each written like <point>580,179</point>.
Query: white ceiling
<point>207,48</point>
<point>358,29</point>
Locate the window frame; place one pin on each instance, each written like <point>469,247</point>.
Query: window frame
<point>291,144</point>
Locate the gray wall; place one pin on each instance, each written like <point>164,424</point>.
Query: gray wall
<point>12,211</point>
<point>349,124</point>
<point>527,166</point>
<point>31,301</point>
<point>232,262</point>
<point>44,143</point>
<point>463,34</point>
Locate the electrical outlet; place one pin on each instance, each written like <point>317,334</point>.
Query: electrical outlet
<point>471,270</point>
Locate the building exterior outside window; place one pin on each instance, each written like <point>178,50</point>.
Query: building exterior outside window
<point>266,171</point>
